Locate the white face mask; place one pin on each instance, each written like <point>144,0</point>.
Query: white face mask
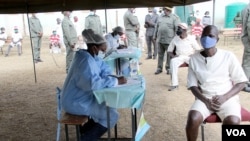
<point>150,13</point>
<point>91,13</point>
<point>117,37</point>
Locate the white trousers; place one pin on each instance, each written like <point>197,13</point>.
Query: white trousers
<point>174,65</point>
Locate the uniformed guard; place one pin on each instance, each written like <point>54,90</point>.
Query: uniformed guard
<point>165,31</point>
<point>150,22</point>
<point>69,38</point>
<point>92,21</point>
<point>36,33</point>
<point>132,26</point>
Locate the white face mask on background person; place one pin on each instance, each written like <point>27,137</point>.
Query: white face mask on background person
<point>117,36</point>
<point>91,13</point>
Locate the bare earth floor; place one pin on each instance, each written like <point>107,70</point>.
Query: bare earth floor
<point>28,108</point>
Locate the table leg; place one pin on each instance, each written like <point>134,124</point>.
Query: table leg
<point>108,123</point>
<point>134,123</point>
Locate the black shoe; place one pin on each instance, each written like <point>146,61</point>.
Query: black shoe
<point>158,72</point>
<point>149,57</point>
<point>6,55</point>
<point>87,126</point>
<point>172,88</point>
<point>154,57</point>
<point>39,60</point>
<point>140,63</point>
<point>246,89</point>
<point>168,72</point>
<point>94,133</point>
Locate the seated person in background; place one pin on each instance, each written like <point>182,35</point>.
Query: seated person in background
<point>113,39</point>
<point>184,46</point>
<point>113,44</point>
<point>215,78</point>
<point>3,37</point>
<point>54,41</point>
<point>87,73</point>
<point>16,41</point>
<point>197,29</point>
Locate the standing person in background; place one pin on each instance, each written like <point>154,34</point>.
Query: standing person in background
<point>36,33</point>
<point>206,20</point>
<point>245,39</point>
<point>238,20</point>
<point>3,38</point>
<point>197,14</point>
<point>92,21</point>
<point>77,26</point>
<point>197,29</point>
<point>132,26</point>
<point>59,31</point>
<point>150,22</point>
<point>69,37</point>
<point>165,30</point>
<point>191,20</point>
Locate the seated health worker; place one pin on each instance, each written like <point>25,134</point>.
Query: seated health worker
<point>87,73</point>
<point>215,78</point>
<point>113,44</point>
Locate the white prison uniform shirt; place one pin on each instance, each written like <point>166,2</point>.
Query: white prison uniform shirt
<point>216,75</point>
<point>59,31</point>
<point>78,28</point>
<point>184,48</point>
<point>4,36</point>
<point>16,37</point>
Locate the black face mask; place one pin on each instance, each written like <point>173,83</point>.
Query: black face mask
<point>179,31</point>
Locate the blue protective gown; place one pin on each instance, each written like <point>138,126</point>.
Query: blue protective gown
<point>88,73</point>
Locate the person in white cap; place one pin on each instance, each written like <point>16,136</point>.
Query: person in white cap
<point>184,46</point>
<point>16,42</point>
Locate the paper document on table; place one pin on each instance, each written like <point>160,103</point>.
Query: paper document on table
<point>143,127</point>
<point>130,81</point>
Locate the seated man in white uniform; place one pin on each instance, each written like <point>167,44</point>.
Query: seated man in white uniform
<point>3,38</point>
<point>215,78</point>
<point>113,44</point>
<point>185,45</point>
<point>16,42</point>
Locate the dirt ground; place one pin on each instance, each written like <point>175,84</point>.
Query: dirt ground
<point>28,107</point>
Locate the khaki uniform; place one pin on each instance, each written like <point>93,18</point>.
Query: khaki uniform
<point>150,22</point>
<point>69,38</point>
<point>35,29</point>
<point>165,31</point>
<point>131,25</point>
<point>93,22</point>
<point>245,38</point>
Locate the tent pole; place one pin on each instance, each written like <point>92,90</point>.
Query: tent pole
<point>106,22</point>
<point>34,66</point>
<point>213,11</point>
